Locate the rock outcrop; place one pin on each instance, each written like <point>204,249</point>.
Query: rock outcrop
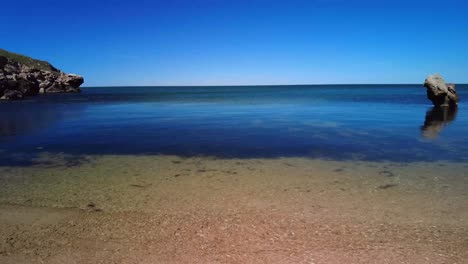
<point>440,93</point>
<point>22,76</point>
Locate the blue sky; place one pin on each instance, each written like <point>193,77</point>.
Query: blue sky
<point>215,42</point>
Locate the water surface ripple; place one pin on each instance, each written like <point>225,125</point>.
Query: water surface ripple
<point>336,122</point>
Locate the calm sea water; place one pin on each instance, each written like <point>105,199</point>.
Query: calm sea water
<point>340,122</point>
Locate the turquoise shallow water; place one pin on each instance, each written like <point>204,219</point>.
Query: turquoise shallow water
<point>338,122</point>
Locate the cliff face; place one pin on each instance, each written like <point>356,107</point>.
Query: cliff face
<point>22,76</point>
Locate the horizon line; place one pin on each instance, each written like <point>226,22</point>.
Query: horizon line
<point>246,85</point>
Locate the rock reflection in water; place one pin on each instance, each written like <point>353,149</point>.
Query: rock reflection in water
<point>436,119</point>
<point>26,117</point>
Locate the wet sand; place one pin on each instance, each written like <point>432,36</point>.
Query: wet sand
<point>168,209</point>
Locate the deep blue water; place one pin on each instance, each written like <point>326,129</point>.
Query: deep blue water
<point>364,122</point>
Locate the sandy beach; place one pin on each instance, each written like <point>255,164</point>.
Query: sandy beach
<point>170,209</point>
<point>232,132</point>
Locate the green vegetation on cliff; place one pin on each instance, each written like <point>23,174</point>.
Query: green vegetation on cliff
<point>27,61</point>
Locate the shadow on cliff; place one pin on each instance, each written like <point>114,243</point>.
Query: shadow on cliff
<point>436,119</point>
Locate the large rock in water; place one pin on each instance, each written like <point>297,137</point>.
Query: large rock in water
<point>23,76</point>
<point>440,93</point>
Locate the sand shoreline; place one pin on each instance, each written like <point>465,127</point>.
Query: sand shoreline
<point>168,209</point>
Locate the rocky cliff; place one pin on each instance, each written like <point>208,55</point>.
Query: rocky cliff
<point>22,76</point>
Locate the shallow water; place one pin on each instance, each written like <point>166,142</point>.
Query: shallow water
<point>337,122</point>
<point>172,209</point>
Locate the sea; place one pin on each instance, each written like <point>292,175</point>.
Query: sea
<point>334,122</point>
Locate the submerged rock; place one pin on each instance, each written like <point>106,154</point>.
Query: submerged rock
<point>440,93</point>
<point>23,76</point>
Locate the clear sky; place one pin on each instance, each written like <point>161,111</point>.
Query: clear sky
<point>210,42</point>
